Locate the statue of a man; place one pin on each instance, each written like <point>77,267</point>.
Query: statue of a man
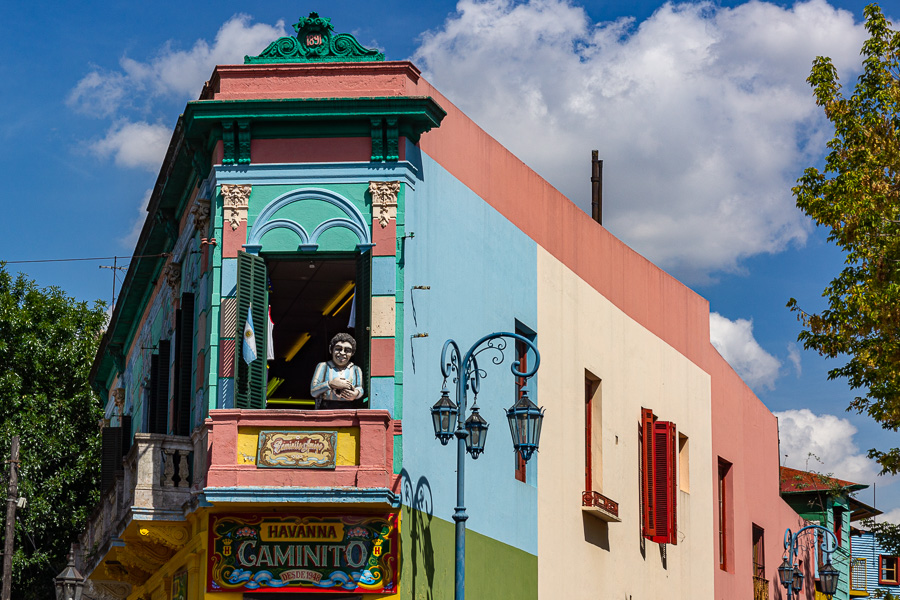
<point>337,381</point>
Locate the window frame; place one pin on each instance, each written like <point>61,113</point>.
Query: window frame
<point>658,478</point>
<point>882,558</point>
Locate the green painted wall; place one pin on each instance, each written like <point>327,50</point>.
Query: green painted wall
<point>494,570</point>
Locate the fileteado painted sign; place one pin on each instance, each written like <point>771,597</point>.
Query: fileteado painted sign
<point>297,449</point>
<point>302,552</point>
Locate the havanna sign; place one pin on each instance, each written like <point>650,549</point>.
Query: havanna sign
<point>303,552</point>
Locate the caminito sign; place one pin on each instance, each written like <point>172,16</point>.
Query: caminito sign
<point>303,552</point>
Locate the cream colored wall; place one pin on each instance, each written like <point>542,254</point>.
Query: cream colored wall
<point>578,555</point>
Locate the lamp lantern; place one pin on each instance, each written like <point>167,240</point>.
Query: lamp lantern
<point>477,428</point>
<point>786,573</point>
<point>525,420</point>
<point>444,413</point>
<point>69,583</point>
<point>828,577</point>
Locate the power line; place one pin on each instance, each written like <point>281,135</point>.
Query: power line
<point>48,260</point>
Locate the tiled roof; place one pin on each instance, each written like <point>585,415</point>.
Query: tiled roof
<point>795,481</point>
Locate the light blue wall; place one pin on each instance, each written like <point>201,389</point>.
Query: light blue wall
<point>482,273</point>
<point>867,547</point>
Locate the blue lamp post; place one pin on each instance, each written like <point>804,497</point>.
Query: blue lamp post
<point>449,419</point>
<point>789,572</point>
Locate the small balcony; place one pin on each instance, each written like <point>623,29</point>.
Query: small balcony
<point>153,486</point>
<point>352,462</point>
<point>599,506</point>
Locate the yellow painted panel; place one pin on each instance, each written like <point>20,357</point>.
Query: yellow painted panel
<point>347,443</point>
<point>383,316</point>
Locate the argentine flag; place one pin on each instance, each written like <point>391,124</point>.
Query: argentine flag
<point>249,347</point>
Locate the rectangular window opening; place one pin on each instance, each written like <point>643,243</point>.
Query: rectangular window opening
<point>724,494</point>
<point>593,463</point>
<point>759,552</point>
<point>311,300</point>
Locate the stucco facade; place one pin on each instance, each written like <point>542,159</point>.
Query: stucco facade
<point>419,227</point>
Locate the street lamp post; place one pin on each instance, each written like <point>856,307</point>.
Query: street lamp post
<point>789,572</point>
<point>450,420</point>
<point>70,583</point>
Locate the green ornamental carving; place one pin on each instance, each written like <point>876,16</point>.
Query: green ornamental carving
<point>315,42</point>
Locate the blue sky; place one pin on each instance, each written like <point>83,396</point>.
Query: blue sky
<point>701,113</point>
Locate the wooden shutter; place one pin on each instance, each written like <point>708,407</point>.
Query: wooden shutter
<point>111,456</point>
<point>250,380</point>
<point>126,434</point>
<point>184,354</point>
<point>648,468</point>
<point>159,389</point>
<point>664,484</point>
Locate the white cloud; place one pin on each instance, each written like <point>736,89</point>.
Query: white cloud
<point>139,144</point>
<point>172,73</point>
<point>702,113</point>
<point>830,440</point>
<point>735,342</point>
<point>891,516</point>
<point>794,358</point>
<point>129,241</point>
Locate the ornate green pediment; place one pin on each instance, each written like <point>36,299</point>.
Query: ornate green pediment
<point>315,42</point>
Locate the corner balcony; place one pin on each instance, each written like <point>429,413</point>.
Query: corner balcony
<point>139,523</point>
<point>301,456</point>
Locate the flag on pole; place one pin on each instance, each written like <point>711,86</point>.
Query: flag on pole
<point>270,339</point>
<point>249,347</point>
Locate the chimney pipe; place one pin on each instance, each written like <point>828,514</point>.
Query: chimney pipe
<point>596,187</point>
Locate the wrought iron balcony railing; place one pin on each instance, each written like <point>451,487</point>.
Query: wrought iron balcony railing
<point>760,588</point>
<point>600,506</point>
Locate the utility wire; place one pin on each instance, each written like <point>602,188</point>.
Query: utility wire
<point>47,260</point>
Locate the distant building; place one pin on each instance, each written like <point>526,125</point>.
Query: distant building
<point>319,189</point>
<point>874,570</point>
<point>827,501</point>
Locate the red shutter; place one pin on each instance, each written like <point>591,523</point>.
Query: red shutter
<point>648,468</point>
<point>664,481</point>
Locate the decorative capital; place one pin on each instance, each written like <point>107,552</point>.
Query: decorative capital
<point>237,201</point>
<point>200,212</point>
<point>173,277</point>
<point>315,42</point>
<point>384,198</point>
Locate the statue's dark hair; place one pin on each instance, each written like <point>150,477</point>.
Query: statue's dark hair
<point>342,337</point>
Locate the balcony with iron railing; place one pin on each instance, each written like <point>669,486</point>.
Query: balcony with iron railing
<point>598,505</point>
<point>760,588</point>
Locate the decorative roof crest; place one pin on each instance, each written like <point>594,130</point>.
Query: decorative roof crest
<point>315,42</point>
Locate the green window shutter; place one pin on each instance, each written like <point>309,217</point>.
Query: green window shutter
<point>184,354</point>
<point>361,329</point>
<point>250,380</point>
<point>159,389</point>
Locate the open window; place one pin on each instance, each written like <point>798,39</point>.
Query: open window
<point>305,300</point>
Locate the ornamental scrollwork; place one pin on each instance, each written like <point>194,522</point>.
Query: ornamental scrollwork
<point>315,42</point>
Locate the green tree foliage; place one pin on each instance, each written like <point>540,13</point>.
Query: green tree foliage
<point>47,344</point>
<point>857,197</point>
